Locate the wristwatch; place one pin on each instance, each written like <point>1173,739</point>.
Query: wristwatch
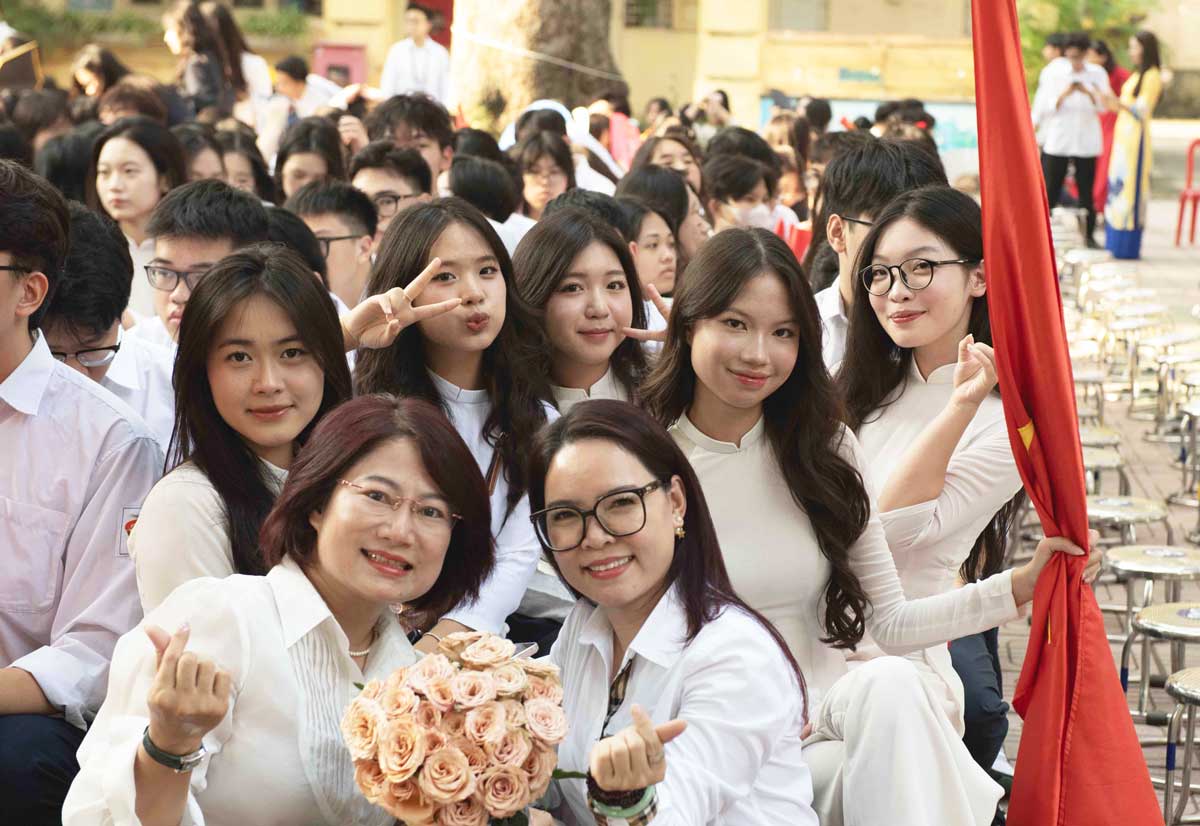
<point>179,763</point>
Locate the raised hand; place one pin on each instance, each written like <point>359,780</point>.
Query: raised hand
<point>377,320</point>
<point>189,696</point>
<point>634,757</point>
<point>353,133</point>
<point>975,373</point>
<point>1025,578</point>
<point>663,307</point>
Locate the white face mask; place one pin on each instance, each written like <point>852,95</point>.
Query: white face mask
<point>757,216</point>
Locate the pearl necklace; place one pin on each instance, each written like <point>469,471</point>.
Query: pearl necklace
<point>370,645</point>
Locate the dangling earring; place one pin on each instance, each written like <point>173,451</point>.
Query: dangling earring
<point>680,533</point>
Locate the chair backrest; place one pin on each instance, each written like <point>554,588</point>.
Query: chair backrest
<point>1191,162</point>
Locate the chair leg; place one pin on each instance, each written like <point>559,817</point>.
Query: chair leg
<point>1172,739</point>
<point>1185,792</point>
<point>1179,223</point>
<point>1126,650</point>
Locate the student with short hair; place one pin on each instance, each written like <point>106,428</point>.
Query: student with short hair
<point>307,92</point>
<point>415,121</point>
<point>82,325</point>
<point>741,192</point>
<point>343,220</point>
<point>311,150</point>
<point>487,186</point>
<point>418,63</point>
<point>65,159</point>
<point>394,179</point>
<point>75,467</point>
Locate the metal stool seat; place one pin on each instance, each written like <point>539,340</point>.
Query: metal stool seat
<point>1097,460</point>
<point>1139,310</point>
<point>1125,513</point>
<point>1098,436</point>
<point>1175,622</point>
<point>1183,687</point>
<point>1115,269</point>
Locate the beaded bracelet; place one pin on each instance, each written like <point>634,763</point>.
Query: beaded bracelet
<point>646,799</point>
<point>612,798</point>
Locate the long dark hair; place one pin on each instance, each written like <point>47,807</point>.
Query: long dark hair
<point>1151,57</point>
<point>875,372</point>
<point>195,35</point>
<point>342,439</point>
<point>201,435</point>
<point>156,140</point>
<point>1100,47</point>
<point>804,418</point>
<point>516,384</point>
<point>235,142</point>
<point>698,567</point>
<point>102,63</point>
<point>542,260</point>
<point>225,30</point>
<point>316,135</point>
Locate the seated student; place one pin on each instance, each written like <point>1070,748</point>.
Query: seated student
<point>488,187</point>
<point>394,179</point>
<point>205,158</point>
<point>259,741</point>
<point>193,227</point>
<point>741,192</point>
<point>310,151</point>
<point>658,633</point>
<point>245,168</point>
<point>74,469</point>
<point>856,184</point>
<point>64,160</point>
<point>83,324</point>
<point>551,116</point>
<point>737,140</point>
<point>546,171</point>
<point>343,219</point>
<point>289,229</point>
<point>576,271</point>
<point>415,121</point>
<point>305,91</point>
<point>127,100</point>
<point>651,240</point>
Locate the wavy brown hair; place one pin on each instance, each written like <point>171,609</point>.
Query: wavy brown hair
<point>804,418</point>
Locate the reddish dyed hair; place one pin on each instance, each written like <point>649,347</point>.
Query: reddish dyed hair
<point>346,435</point>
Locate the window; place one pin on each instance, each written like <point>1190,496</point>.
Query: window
<point>313,7</point>
<point>648,13</point>
<point>799,15</point>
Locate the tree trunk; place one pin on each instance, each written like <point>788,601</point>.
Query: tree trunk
<point>496,77</point>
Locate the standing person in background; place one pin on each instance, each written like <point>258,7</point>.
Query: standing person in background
<point>203,74</point>
<point>1132,158</point>
<point>1100,55</point>
<point>418,63</point>
<point>1056,64</point>
<point>249,73</point>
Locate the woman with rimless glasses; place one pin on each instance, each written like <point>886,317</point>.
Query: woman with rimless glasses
<point>659,636</point>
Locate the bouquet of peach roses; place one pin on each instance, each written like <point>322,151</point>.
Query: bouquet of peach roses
<point>465,737</point>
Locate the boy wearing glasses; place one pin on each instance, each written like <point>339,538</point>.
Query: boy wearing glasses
<point>83,324</point>
<point>394,179</point>
<point>74,469</point>
<point>194,226</point>
<point>343,220</point>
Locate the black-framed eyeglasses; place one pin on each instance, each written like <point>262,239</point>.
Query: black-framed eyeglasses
<point>620,513</point>
<point>915,273</point>
<point>326,242</point>
<point>9,268</point>
<point>858,221</point>
<point>167,279</point>
<point>388,203</point>
<point>93,356</point>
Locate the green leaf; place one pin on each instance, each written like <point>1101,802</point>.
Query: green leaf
<point>359,686</point>
<point>562,774</point>
<point>519,819</point>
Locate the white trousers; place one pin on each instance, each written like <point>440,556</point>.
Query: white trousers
<point>883,752</point>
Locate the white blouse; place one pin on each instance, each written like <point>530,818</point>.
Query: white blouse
<point>141,296</point>
<point>606,387</point>
<point>931,540</point>
<point>140,376</point>
<point>777,567</point>
<point>517,547</point>
<point>739,763</point>
<point>278,755</point>
<point>182,533</point>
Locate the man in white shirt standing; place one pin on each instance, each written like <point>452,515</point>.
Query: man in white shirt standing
<point>418,63</point>
<point>76,464</point>
<point>1068,117</point>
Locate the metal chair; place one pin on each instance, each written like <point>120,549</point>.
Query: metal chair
<point>1100,460</point>
<point>1183,687</point>
<point>1177,623</point>
<point>1098,436</point>
<point>1124,514</point>
<point>1189,458</point>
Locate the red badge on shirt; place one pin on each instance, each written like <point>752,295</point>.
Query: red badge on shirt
<point>129,517</point>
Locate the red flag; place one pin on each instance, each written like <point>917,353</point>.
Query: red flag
<point>1080,763</point>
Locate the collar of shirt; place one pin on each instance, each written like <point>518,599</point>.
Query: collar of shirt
<point>699,439</point>
<point>603,388</point>
<point>661,639</point>
<point>123,370</point>
<point>830,305</point>
<point>452,392</point>
<point>25,386</point>
<point>940,375</point>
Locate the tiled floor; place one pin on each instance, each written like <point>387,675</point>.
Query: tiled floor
<point>1175,274</point>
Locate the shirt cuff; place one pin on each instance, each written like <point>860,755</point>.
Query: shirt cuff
<point>67,683</point>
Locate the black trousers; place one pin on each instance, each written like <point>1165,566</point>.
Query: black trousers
<point>977,660</point>
<point>1054,169</point>
<point>37,765</point>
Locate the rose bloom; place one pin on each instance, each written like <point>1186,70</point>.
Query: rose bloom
<point>476,757</point>
<point>541,668</point>
<point>370,779</point>
<point>434,739</point>
<point>469,812</point>
<point>514,712</point>
<point>512,748</point>
<point>446,776</point>
<point>540,687</point>
<point>439,693</point>
<point>360,728</point>
<point>472,689</point>
<point>401,749</point>
<point>430,668</point>
<point>505,791</point>
<point>509,678</point>
<point>373,690</point>
<point>428,715</point>
<point>487,723</point>
<point>398,700</point>
<point>452,645</point>
<point>405,802</point>
<point>545,720</point>
<point>539,769</point>
<point>454,723</point>
<point>489,652</point>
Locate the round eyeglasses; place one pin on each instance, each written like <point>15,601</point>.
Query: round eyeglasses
<point>620,513</point>
<point>377,505</point>
<point>93,356</point>
<point>915,273</point>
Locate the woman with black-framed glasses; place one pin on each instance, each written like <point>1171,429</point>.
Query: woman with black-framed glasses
<point>658,626</point>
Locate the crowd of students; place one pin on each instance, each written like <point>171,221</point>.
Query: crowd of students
<point>281,415</point>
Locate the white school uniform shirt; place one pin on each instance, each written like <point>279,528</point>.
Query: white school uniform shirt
<point>739,763</point>
<point>591,180</point>
<point>412,68</point>
<point>140,376</point>
<point>183,533</point>
<point>152,329</point>
<point>1073,129</point>
<point>141,295</point>
<point>1038,108</point>
<point>931,540</point>
<point>318,92</point>
<point>517,547</point>
<point>75,466</point>
<point>777,567</point>
<point>835,326</point>
<point>607,386</point>
<point>510,235</point>
<point>278,756</point>
<point>258,77</point>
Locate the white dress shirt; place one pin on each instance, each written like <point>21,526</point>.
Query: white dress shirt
<point>278,756</point>
<point>777,566</point>
<point>183,533</point>
<point>510,235</point>
<point>318,92</point>
<point>141,296</point>
<point>517,547</point>
<point>1071,130</point>
<point>931,540</point>
<point>152,329</point>
<point>591,180</point>
<point>140,376</point>
<point>75,466</point>
<point>835,326</point>
<point>413,68</point>
<point>739,763</point>
<point>606,387</point>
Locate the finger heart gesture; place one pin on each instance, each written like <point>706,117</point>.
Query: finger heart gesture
<point>377,321</point>
<point>189,696</point>
<point>634,757</point>
<point>975,373</point>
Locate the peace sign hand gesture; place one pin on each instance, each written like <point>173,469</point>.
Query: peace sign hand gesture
<point>189,696</point>
<point>634,757</point>
<point>975,373</point>
<point>652,335</point>
<point>377,321</point>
